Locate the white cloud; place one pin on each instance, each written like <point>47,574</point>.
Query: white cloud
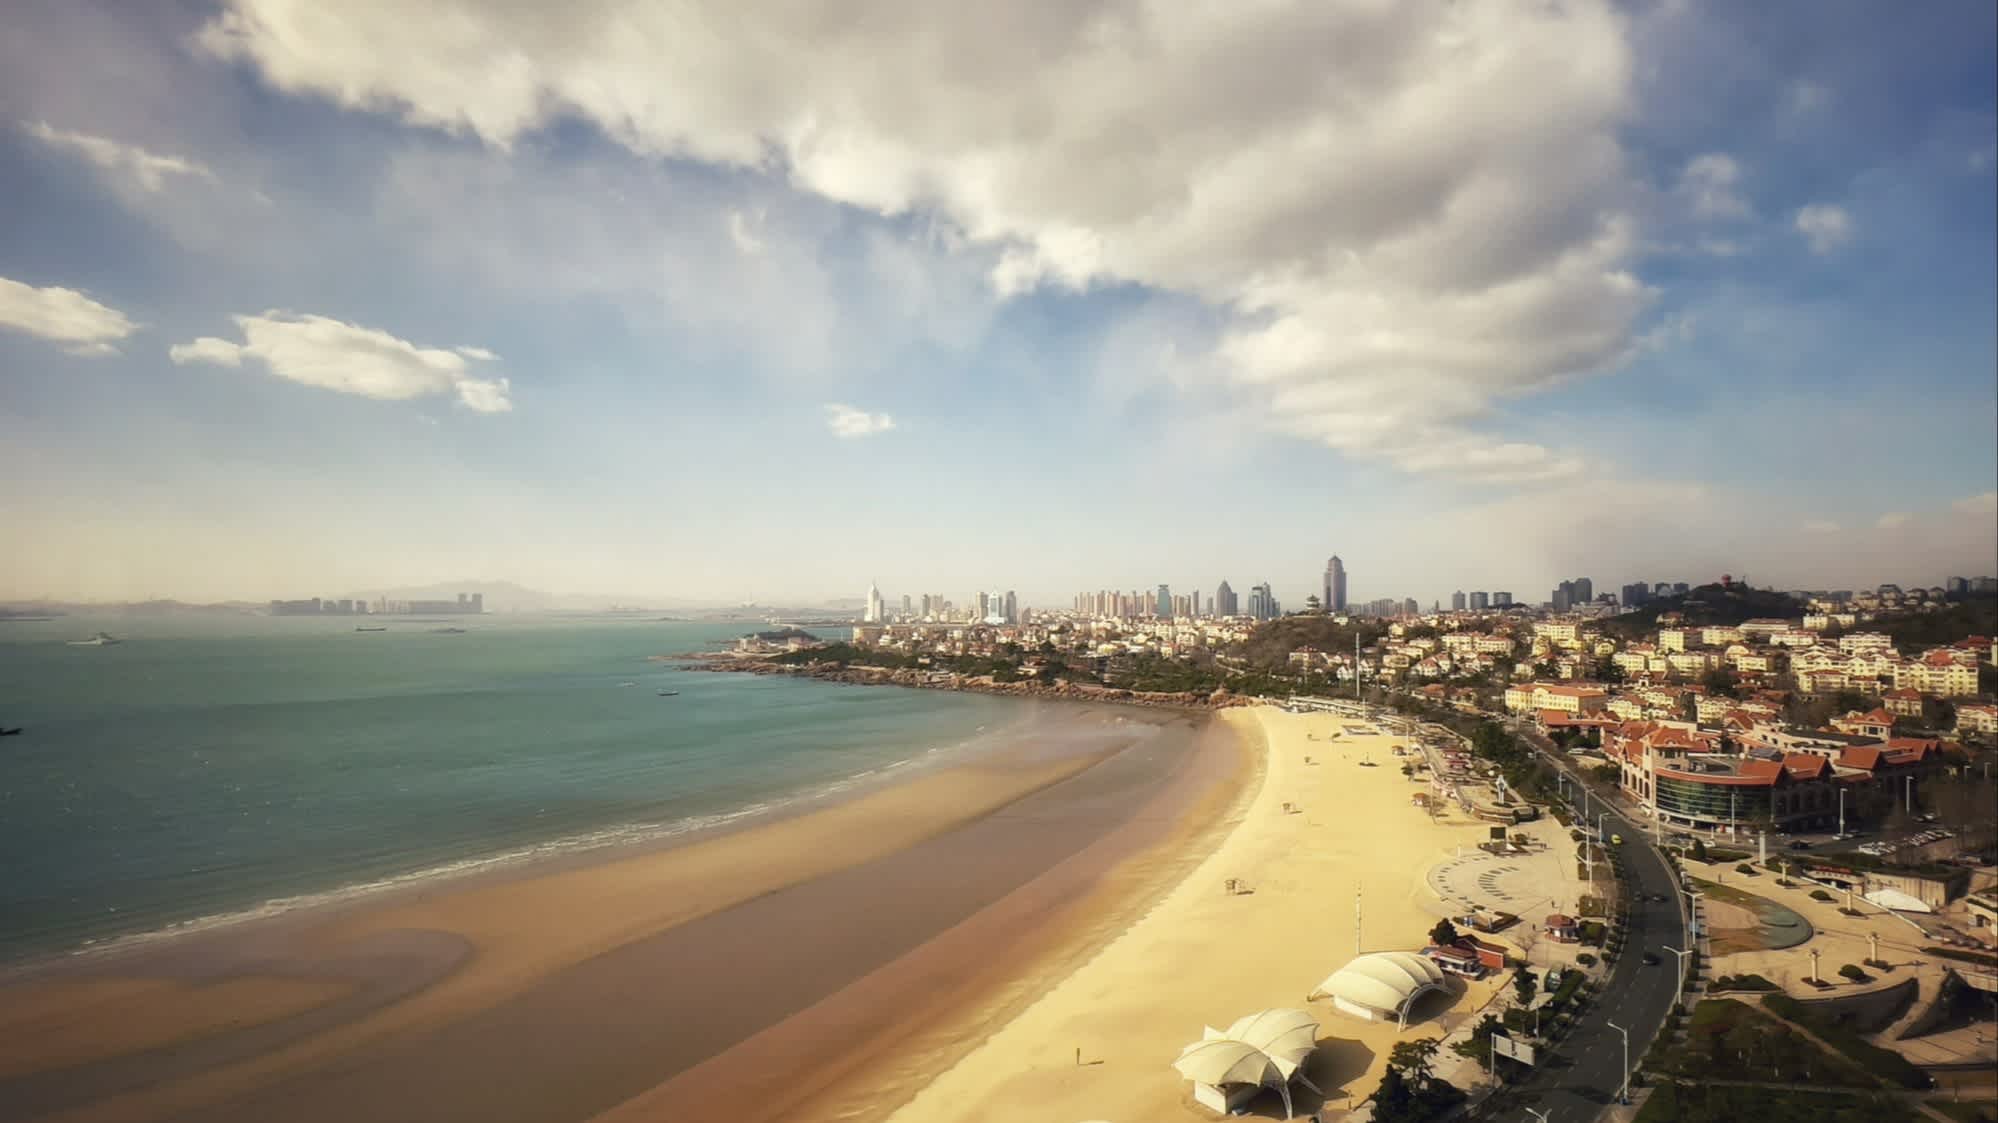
<point>847,422</point>
<point>1825,226</point>
<point>1806,96</point>
<point>740,233</point>
<point>1893,519</point>
<point>334,355</point>
<point>149,170</point>
<point>1708,182</point>
<point>1410,211</point>
<point>64,316</point>
<point>1983,504</point>
<point>1820,526</point>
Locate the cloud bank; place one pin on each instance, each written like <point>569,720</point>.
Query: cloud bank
<point>334,355</point>
<point>1408,213</point>
<point>64,316</point>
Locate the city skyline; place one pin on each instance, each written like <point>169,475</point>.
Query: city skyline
<point>1618,289</point>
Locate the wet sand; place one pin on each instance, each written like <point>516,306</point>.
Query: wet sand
<point>662,984</point>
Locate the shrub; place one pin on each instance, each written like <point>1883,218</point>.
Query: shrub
<point>1852,971</point>
<point>1743,982</point>
<point>1586,960</point>
<point>1821,895</point>
<point>1745,868</point>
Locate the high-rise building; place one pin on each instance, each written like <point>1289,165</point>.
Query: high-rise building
<point>1957,586</point>
<point>1012,607</point>
<point>874,605</point>
<point>1501,600</point>
<point>1410,608</point>
<point>1458,601</point>
<point>984,603</point>
<point>1224,601</point>
<point>1335,585</point>
<point>1480,601</point>
<point>1163,605</point>
<point>1583,592</point>
<point>1262,602</point>
<point>906,606</point>
<point>1635,594</point>
<point>1680,588</point>
<point>1563,596</point>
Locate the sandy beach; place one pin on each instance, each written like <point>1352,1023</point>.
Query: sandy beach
<point>1203,957</point>
<point>561,994</point>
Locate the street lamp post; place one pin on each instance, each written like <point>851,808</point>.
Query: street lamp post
<point>1683,982</point>
<point>1623,1089</point>
<point>1841,812</point>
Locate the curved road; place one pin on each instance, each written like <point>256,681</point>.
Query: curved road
<point>1582,1076</point>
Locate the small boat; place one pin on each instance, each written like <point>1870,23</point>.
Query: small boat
<point>101,639</point>
<point>627,684</point>
<point>376,628</point>
<point>669,693</point>
<point>13,731</point>
<point>449,631</point>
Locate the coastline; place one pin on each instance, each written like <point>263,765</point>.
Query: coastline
<point>726,663</point>
<point>316,1015</point>
<point>1100,1040</point>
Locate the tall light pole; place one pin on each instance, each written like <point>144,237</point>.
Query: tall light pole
<point>1623,1089</point>
<point>1841,812</point>
<point>1682,963</point>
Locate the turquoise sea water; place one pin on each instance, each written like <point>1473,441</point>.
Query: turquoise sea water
<point>208,767</point>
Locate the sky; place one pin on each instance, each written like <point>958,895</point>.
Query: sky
<point>728,302</point>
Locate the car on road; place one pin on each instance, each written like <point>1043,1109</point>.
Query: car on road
<point>1651,959</point>
<point>1800,844</point>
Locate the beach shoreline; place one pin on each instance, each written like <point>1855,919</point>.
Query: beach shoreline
<point>415,992</point>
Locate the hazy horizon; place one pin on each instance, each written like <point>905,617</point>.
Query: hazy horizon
<point>1476,296</point>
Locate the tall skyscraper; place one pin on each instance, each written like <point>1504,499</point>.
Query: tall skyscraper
<point>1410,608</point>
<point>1224,601</point>
<point>1563,596</point>
<point>1457,601</point>
<point>1585,591</point>
<point>1335,585</point>
<point>1480,601</point>
<point>1262,602</point>
<point>984,603</point>
<point>1012,608</point>
<point>874,606</point>
<point>1501,600</point>
<point>906,606</point>
<point>1163,606</point>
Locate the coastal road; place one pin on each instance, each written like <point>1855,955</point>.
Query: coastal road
<point>1580,1080</point>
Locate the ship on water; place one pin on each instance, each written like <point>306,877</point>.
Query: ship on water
<point>101,639</point>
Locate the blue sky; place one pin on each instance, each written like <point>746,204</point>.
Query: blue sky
<point>718,303</point>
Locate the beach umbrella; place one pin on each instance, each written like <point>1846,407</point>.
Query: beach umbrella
<point>1220,1060</point>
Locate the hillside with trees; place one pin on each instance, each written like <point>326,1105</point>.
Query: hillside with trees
<point>1972,616</point>
<point>1272,642</point>
<point>1714,604</point>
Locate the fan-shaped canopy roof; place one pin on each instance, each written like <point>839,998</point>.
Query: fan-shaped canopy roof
<point>1286,1036</point>
<point>1221,1060</point>
<point>1382,980</point>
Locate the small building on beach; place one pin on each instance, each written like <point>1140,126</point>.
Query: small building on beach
<point>1382,985</point>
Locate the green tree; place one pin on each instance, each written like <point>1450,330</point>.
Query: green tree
<point>1394,1101</point>
<point>1415,1058</point>
<point>1719,681</point>
<point>1523,981</point>
<point>1699,850</point>
<point>1444,934</point>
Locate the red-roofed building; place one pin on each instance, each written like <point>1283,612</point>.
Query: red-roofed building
<point>1874,723</point>
<point>1905,702</point>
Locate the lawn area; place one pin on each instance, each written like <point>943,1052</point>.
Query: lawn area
<point>1970,1111</point>
<point>1727,1040</point>
<point>1705,1103</point>
<point>1886,1064</point>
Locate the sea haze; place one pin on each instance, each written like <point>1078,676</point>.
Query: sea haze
<point>207,768</point>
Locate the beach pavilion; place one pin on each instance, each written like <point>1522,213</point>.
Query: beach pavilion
<point>1382,985</point>
<point>1263,1050</point>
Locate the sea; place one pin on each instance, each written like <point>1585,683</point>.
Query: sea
<point>212,768</point>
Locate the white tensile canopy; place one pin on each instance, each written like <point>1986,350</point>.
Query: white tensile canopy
<point>1265,1049</point>
<point>1381,982</point>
